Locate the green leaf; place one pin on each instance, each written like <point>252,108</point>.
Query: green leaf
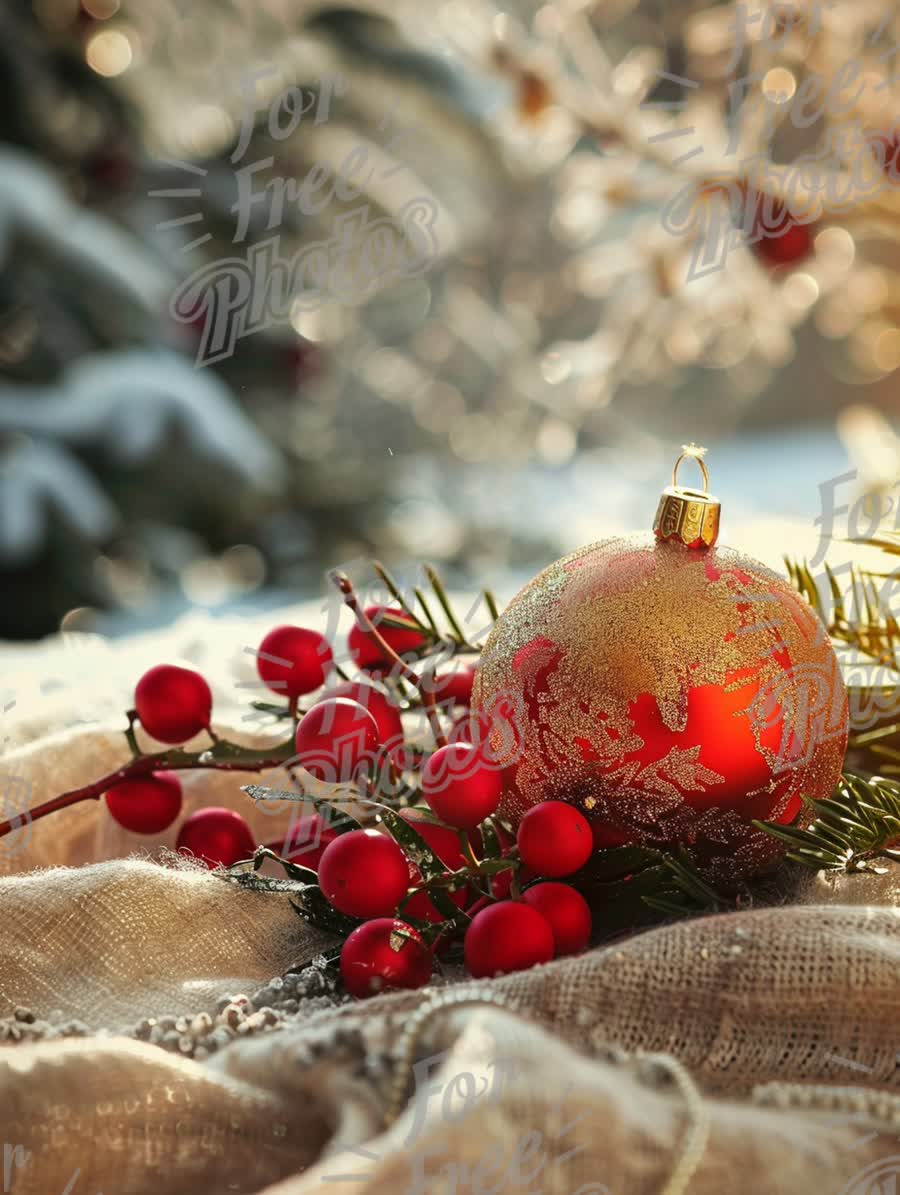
<point>614,863</point>
<point>312,906</point>
<point>335,818</point>
<point>491,847</point>
<point>419,852</point>
<point>413,845</point>
<point>295,872</point>
<point>492,866</point>
<point>305,875</point>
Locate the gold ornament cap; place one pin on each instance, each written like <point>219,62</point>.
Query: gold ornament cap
<point>689,516</point>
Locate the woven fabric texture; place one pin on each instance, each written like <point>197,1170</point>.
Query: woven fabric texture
<point>747,1052</point>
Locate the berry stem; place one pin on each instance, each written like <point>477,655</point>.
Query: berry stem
<point>240,760</point>
<point>132,717</point>
<point>345,586</point>
<point>468,854</point>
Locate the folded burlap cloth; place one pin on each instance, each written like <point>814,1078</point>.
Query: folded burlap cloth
<point>753,1051</point>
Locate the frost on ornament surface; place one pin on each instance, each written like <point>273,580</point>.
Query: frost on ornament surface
<point>672,695</point>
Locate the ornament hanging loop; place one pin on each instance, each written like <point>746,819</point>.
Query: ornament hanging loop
<point>692,452</point>
<point>688,516</point>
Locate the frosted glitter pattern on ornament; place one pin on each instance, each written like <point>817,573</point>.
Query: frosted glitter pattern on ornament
<point>673,696</point>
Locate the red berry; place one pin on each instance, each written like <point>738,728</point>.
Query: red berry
<point>454,687</point>
<point>554,839</point>
<point>442,840</point>
<point>787,247</point>
<point>293,661</point>
<point>364,874</point>
<point>886,147</point>
<point>382,708</point>
<point>464,729</point>
<point>216,836</point>
<point>501,883</point>
<point>335,739</point>
<point>147,804</point>
<point>173,703</point>
<point>305,361</point>
<point>509,936</point>
<point>460,787</point>
<point>384,954</point>
<point>445,844</point>
<point>777,236</point>
<point>474,728</point>
<point>306,842</point>
<point>568,913</point>
<point>403,640</point>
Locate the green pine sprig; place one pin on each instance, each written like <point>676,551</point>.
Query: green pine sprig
<point>631,886</point>
<point>854,828</point>
<point>863,619</point>
<point>418,614</point>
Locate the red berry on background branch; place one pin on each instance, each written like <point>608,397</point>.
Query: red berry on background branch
<point>886,147</point>
<point>474,728</point>
<point>504,937</point>
<point>567,912</point>
<point>147,804</point>
<point>173,703</point>
<point>306,842</point>
<point>335,740</point>
<point>785,248</point>
<point>554,839</point>
<point>383,709</point>
<point>777,235</point>
<point>459,786</point>
<point>404,640</point>
<point>216,836</point>
<point>464,729</point>
<point>453,687</point>
<point>294,661</point>
<point>364,874</point>
<point>384,954</point>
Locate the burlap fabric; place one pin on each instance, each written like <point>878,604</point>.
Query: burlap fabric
<point>661,1063</point>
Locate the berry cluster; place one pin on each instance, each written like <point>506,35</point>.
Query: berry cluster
<point>378,876</point>
<point>429,871</point>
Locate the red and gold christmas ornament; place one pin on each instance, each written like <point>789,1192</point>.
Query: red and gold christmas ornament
<point>671,689</point>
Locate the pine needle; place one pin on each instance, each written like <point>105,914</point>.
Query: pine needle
<point>853,828</point>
